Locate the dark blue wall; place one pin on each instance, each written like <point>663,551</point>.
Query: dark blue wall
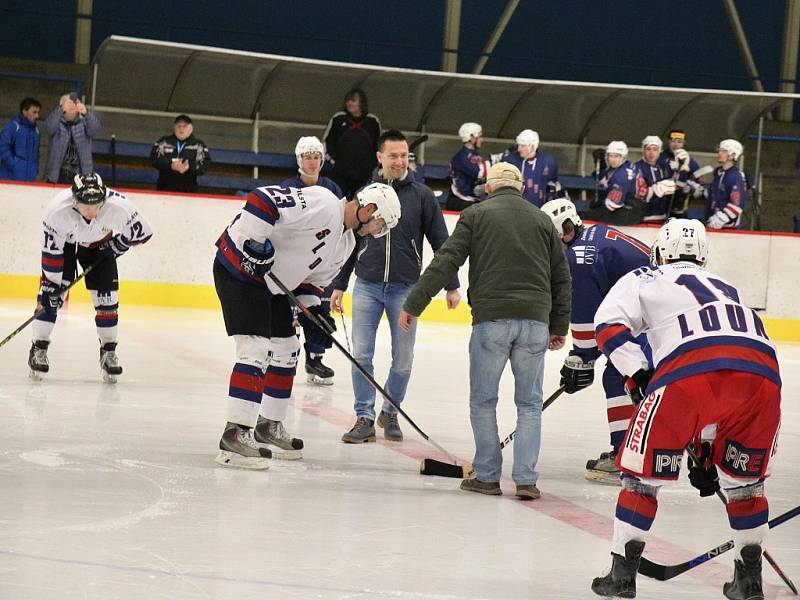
<point>680,43</point>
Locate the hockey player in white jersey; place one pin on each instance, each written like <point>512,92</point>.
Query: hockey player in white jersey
<point>714,365</point>
<point>303,237</point>
<point>88,224</point>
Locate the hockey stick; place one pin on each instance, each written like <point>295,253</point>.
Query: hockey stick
<point>430,466</point>
<point>721,496</point>
<point>39,311</point>
<point>417,142</point>
<point>665,572</point>
<point>326,328</point>
<point>346,333</point>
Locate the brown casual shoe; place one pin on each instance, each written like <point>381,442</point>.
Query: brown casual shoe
<point>363,431</point>
<point>491,488</point>
<point>528,492</point>
<point>391,428</point>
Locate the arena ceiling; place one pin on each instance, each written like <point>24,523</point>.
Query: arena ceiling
<point>145,75</point>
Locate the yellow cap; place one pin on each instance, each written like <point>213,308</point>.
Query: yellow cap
<point>504,170</point>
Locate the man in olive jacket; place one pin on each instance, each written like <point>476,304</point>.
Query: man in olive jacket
<point>519,291</point>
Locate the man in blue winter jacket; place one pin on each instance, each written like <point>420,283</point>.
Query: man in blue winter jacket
<point>19,144</point>
<point>386,269</point>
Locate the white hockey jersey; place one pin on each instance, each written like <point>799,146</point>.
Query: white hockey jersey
<point>694,321</point>
<point>306,228</point>
<point>63,225</point>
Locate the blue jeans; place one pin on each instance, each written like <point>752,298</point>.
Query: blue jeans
<point>370,301</point>
<point>492,344</point>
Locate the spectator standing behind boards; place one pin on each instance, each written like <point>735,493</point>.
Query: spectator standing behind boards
<point>71,127</point>
<point>519,291</point>
<point>180,158</point>
<point>386,268</point>
<point>539,169</point>
<point>19,144</point>
<point>351,140</point>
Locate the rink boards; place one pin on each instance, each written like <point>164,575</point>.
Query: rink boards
<point>174,268</point>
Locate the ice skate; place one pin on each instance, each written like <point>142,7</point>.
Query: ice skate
<point>620,582</point>
<point>746,584</point>
<point>37,360</point>
<point>604,469</point>
<point>316,372</point>
<point>273,436</point>
<point>237,448</point>
<point>109,363</point>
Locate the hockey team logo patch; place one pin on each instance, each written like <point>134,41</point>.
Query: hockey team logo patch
<point>638,432</point>
<point>745,462</point>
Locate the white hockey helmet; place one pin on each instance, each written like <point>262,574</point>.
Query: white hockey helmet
<point>528,137</point>
<point>680,239</point>
<point>652,140</point>
<point>385,199</point>
<point>732,147</point>
<point>305,145</point>
<point>617,147</point>
<point>468,132</point>
<point>561,210</point>
<point>308,143</point>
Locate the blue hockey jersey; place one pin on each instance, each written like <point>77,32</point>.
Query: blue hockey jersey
<point>597,259</point>
<point>466,167</point>
<point>619,185</point>
<point>296,182</point>
<point>646,176</point>
<point>726,198</point>
<point>536,174</point>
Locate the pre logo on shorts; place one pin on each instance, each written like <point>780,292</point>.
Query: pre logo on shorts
<point>741,461</point>
<point>667,463</point>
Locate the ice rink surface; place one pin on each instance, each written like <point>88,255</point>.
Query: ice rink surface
<point>111,491</point>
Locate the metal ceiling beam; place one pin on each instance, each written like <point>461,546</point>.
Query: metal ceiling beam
<point>744,47</point>
<point>502,23</point>
<point>791,43</point>
<point>452,31</point>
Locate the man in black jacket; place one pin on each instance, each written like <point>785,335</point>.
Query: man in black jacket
<point>386,269</point>
<point>351,141</point>
<point>180,158</point>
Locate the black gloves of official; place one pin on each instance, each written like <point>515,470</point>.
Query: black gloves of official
<point>51,297</point>
<point>636,384</point>
<point>257,258</point>
<point>704,478</point>
<point>314,335</point>
<point>576,374</point>
<point>115,246</point>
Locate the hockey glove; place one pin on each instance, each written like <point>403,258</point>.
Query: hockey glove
<point>51,299</point>
<point>704,478</point>
<point>663,187</point>
<point>682,156</point>
<point>313,333</point>
<point>576,374</point>
<point>718,220</point>
<point>636,384</point>
<point>257,258</point>
<point>115,246</point>
<point>599,154</point>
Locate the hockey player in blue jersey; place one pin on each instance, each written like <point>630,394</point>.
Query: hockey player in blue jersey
<point>681,167</point>
<point>598,256</point>
<point>728,192</point>
<point>310,155</point>
<point>539,169</point>
<point>653,184</point>
<point>618,182</point>
<point>467,167</point>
